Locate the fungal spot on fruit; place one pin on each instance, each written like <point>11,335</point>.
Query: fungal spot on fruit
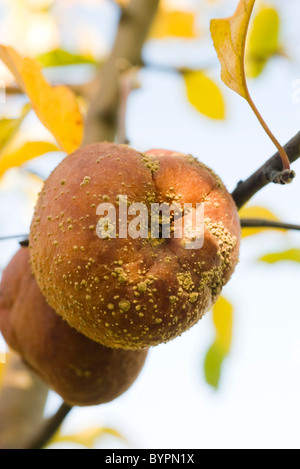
<point>124,305</point>
<point>193,297</point>
<point>63,182</point>
<point>185,280</point>
<point>150,163</point>
<point>86,181</point>
<point>105,198</point>
<point>142,287</point>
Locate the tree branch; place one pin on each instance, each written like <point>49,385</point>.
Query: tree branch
<point>261,223</point>
<point>50,427</point>
<point>271,171</point>
<point>135,22</point>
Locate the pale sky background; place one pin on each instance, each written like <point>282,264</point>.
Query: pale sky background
<point>170,405</point>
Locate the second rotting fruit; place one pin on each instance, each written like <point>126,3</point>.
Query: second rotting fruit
<point>81,371</point>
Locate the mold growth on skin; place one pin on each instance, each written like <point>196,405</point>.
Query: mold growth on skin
<point>215,278</point>
<point>150,163</point>
<point>194,161</point>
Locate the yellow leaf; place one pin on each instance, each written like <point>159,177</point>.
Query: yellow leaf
<point>257,212</point>
<point>263,42</point>
<point>204,94</point>
<point>56,107</point>
<point>85,438</point>
<point>9,127</point>
<point>292,255</point>
<point>223,321</point>
<point>2,368</point>
<point>173,24</point>
<point>229,36</point>
<point>23,154</point>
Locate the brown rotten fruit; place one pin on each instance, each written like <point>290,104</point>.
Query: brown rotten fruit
<point>80,370</point>
<point>124,292</point>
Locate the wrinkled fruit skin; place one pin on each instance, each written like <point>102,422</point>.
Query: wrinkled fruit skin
<point>82,372</point>
<point>130,293</point>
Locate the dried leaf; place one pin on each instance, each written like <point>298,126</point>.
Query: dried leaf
<point>56,107</point>
<point>229,36</point>
<point>204,94</point>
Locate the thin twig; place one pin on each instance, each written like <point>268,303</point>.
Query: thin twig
<point>7,238</point>
<point>261,223</point>
<point>50,427</point>
<point>271,171</point>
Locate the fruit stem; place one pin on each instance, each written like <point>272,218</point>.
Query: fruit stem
<point>284,157</point>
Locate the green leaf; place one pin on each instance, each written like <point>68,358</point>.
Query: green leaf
<point>216,354</point>
<point>204,94</point>
<point>292,255</point>
<point>60,57</point>
<point>263,41</point>
<point>213,365</point>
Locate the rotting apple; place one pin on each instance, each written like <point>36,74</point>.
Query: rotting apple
<point>126,292</point>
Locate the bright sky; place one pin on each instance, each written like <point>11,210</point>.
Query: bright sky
<point>171,406</point>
